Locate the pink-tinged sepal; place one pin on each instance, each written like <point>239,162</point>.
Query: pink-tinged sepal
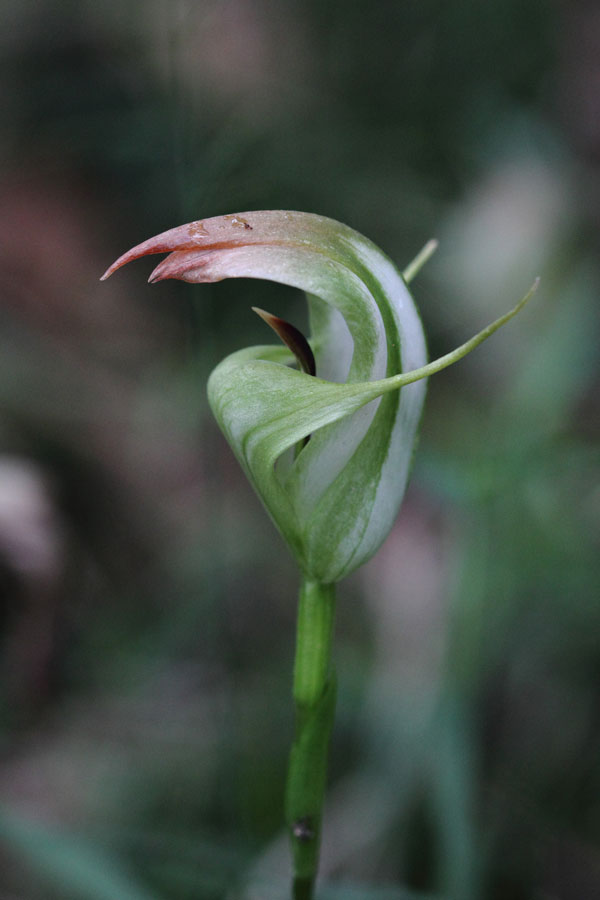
<point>335,499</point>
<point>218,232</point>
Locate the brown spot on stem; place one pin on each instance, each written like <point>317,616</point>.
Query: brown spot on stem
<point>303,829</point>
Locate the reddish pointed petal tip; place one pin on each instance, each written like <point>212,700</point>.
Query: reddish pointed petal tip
<point>123,260</point>
<point>144,249</point>
<point>109,271</point>
<point>185,265</point>
<point>220,231</point>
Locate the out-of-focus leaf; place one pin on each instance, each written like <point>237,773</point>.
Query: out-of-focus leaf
<point>278,889</point>
<point>68,862</point>
<point>361,892</point>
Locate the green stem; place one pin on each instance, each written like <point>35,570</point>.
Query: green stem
<point>414,267</point>
<point>314,697</point>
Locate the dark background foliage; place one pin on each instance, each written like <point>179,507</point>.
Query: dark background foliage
<point>147,604</point>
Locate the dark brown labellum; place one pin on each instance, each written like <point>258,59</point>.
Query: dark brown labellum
<point>292,338</point>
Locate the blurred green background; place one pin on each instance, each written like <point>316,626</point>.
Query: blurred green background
<point>147,620</point>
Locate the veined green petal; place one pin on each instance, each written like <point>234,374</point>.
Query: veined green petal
<point>365,320</point>
<point>336,501</point>
<point>264,408</point>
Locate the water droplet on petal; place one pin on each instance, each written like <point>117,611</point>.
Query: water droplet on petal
<point>238,222</point>
<point>197,229</point>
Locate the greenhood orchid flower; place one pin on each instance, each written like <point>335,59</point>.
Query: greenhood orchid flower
<point>327,446</point>
<point>328,453</point>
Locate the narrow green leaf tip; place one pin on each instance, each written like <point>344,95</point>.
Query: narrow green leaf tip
<point>422,257</point>
<point>458,353</point>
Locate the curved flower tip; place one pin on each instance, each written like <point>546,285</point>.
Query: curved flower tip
<point>220,231</point>
<point>190,244</point>
<point>335,499</point>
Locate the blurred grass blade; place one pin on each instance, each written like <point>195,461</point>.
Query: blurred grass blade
<point>277,889</point>
<point>361,892</point>
<point>69,863</point>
